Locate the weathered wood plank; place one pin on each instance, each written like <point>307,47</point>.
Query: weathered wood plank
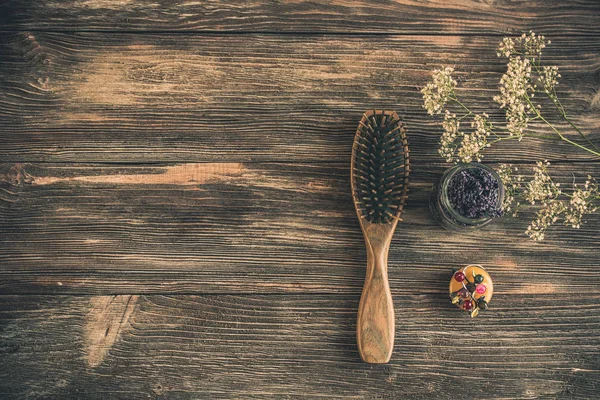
<point>242,186</point>
<point>250,227</point>
<point>400,16</point>
<point>525,346</point>
<point>147,98</point>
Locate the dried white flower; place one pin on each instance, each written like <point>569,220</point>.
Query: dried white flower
<point>541,187</point>
<point>515,90</point>
<point>533,44</point>
<point>456,145</point>
<point>581,203</point>
<point>506,47</point>
<point>545,217</point>
<point>473,144</point>
<point>528,44</point>
<point>451,127</point>
<point>482,125</point>
<point>512,184</point>
<point>437,92</point>
<point>548,77</point>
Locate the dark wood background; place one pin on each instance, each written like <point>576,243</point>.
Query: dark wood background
<point>175,210</point>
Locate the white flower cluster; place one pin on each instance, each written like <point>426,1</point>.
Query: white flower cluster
<point>541,187</point>
<point>533,44</point>
<point>548,77</point>
<point>437,92</point>
<point>451,127</point>
<point>512,184</point>
<point>506,47</point>
<point>517,87</point>
<point>473,144</point>
<point>546,216</point>
<point>581,203</point>
<point>515,91</point>
<point>527,44</point>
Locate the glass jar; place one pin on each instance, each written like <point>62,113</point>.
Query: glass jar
<point>446,214</point>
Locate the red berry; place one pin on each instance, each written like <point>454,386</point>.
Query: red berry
<point>480,289</point>
<point>459,276</point>
<point>467,305</point>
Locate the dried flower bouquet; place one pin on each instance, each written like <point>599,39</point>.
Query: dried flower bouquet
<point>525,77</point>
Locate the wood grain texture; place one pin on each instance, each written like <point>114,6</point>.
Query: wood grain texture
<point>175,211</point>
<point>252,228</point>
<point>104,324</point>
<point>160,97</point>
<point>302,346</point>
<point>375,322</point>
<point>291,16</point>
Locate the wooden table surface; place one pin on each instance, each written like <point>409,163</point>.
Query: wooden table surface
<point>175,211</point>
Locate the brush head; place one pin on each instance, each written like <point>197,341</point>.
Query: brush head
<point>380,167</point>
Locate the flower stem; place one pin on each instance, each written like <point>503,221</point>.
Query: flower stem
<point>557,103</point>
<point>461,104</point>
<point>564,115</point>
<point>562,137</point>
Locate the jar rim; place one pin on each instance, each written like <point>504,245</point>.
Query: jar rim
<point>445,181</point>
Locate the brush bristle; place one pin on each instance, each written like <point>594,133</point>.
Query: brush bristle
<point>380,167</point>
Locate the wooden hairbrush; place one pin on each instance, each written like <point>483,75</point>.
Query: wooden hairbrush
<point>379,179</point>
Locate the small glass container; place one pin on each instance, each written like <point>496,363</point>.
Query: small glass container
<point>443,211</point>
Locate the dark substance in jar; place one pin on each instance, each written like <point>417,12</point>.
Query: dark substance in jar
<point>473,193</point>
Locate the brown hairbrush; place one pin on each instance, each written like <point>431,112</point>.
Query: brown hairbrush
<point>379,178</point>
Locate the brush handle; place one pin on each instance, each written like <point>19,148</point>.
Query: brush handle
<point>375,324</point>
